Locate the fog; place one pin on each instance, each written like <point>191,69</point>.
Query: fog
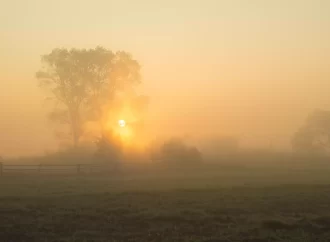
<point>253,70</point>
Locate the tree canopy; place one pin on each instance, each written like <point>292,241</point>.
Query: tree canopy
<point>82,82</point>
<point>314,135</point>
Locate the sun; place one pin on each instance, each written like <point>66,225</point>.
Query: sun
<point>122,123</point>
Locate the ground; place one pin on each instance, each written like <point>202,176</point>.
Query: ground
<point>209,206</point>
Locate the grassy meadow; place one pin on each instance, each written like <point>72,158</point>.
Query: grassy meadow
<point>241,200</point>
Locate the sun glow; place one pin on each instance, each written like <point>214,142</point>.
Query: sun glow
<point>122,123</point>
<point>124,131</point>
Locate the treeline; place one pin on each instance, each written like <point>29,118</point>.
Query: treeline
<point>88,86</point>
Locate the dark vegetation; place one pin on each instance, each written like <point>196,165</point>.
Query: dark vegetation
<point>184,194</point>
<point>314,135</point>
<point>164,206</point>
<point>244,196</point>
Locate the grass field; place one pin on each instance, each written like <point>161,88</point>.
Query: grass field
<point>273,203</point>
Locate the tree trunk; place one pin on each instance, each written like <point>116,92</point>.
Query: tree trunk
<point>76,137</point>
<point>75,127</point>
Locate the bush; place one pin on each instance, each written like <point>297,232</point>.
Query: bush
<point>109,148</point>
<point>175,151</point>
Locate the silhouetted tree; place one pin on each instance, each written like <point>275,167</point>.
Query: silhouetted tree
<point>314,135</point>
<point>175,151</point>
<point>109,148</point>
<point>220,145</point>
<point>82,82</point>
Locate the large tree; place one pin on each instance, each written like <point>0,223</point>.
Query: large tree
<point>314,135</point>
<point>81,82</point>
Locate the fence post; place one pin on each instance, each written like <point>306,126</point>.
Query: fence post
<point>78,168</point>
<point>1,168</point>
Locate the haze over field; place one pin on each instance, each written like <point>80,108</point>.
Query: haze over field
<point>249,69</point>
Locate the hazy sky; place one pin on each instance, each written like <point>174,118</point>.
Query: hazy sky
<point>251,68</point>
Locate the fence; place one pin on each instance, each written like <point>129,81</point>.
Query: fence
<point>54,168</point>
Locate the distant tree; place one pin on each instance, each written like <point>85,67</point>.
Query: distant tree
<point>314,135</point>
<point>109,148</point>
<point>82,82</point>
<point>217,145</point>
<point>175,151</point>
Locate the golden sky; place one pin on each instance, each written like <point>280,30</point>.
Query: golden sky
<point>250,68</point>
